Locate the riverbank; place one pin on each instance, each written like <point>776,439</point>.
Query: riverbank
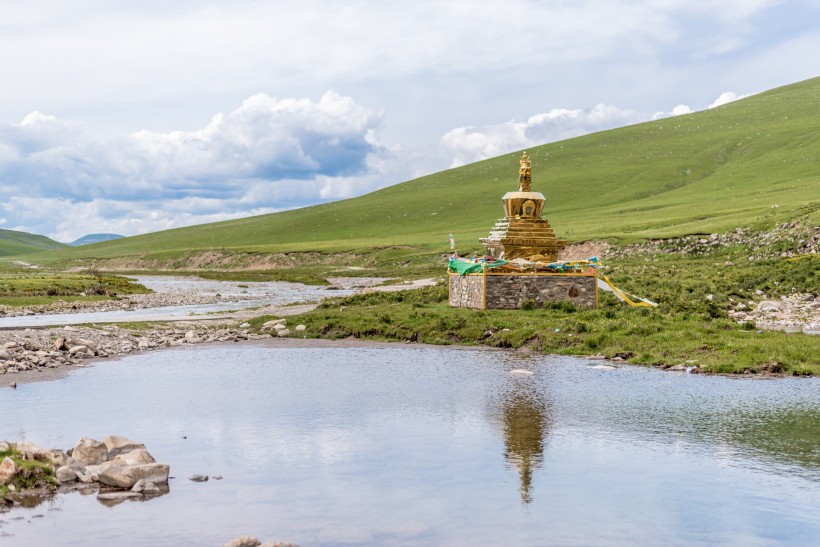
<point>668,338</point>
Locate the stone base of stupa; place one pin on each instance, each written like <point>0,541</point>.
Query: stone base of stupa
<point>510,291</point>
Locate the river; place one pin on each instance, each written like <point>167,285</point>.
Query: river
<point>231,296</point>
<point>329,444</point>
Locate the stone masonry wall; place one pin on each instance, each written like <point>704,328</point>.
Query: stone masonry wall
<point>467,291</point>
<point>510,291</point>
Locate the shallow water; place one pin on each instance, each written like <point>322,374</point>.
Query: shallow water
<point>419,445</point>
<point>253,294</point>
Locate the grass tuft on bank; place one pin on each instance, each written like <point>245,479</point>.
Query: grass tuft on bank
<point>30,474</point>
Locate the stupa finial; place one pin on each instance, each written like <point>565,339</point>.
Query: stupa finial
<point>525,174</point>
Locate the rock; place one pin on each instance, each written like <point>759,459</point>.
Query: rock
<point>116,445</point>
<point>65,474</point>
<point>4,446</point>
<point>74,350</point>
<point>4,355</point>
<point>7,470</point>
<point>56,457</point>
<point>244,541</point>
<point>244,325</point>
<point>678,368</point>
<point>198,478</point>
<point>90,452</point>
<point>145,487</point>
<point>59,344</point>
<point>770,305</point>
<point>283,333</point>
<point>300,328</point>
<point>90,473</point>
<point>30,451</point>
<point>138,456</point>
<point>126,476</point>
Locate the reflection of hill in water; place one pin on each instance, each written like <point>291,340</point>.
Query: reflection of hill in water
<point>524,417</point>
<point>770,423</point>
<point>789,436</point>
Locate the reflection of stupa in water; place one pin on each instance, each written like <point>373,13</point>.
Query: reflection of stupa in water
<point>524,415</point>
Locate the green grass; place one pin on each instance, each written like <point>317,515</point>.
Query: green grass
<point>750,163</point>
<point>28,288</point>
<point>16,243</point>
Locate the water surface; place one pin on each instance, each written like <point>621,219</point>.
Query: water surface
<point>417,445</point>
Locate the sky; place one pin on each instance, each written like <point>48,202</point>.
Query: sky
<point>131,117</point>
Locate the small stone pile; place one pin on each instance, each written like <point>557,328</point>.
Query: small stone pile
<point>279,327</point>
<point>126,302</point>
<point>29,349</point>
<point>798,312</point>
<point>120,467</point>
<point>785,240</point>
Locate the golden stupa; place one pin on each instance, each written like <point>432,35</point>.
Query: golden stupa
<point>522,233</point>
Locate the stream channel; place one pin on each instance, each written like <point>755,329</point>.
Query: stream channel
<point>247,295</point>
<point>334,443</point>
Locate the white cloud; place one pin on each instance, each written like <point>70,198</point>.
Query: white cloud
<point>469,144</point>
<point>155,63</point>
<point>726,98</point>
<point>266,155</point>
<point>679,110</point>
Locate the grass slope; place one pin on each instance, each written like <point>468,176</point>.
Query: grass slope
<point>16,243</point>
<point>750,163</point>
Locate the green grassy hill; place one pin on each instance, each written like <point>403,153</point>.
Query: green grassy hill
<point>749,163</point>
<point>17,243</point>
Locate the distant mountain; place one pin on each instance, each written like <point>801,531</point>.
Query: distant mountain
<point>94,238</point>
<point>16,243</point>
